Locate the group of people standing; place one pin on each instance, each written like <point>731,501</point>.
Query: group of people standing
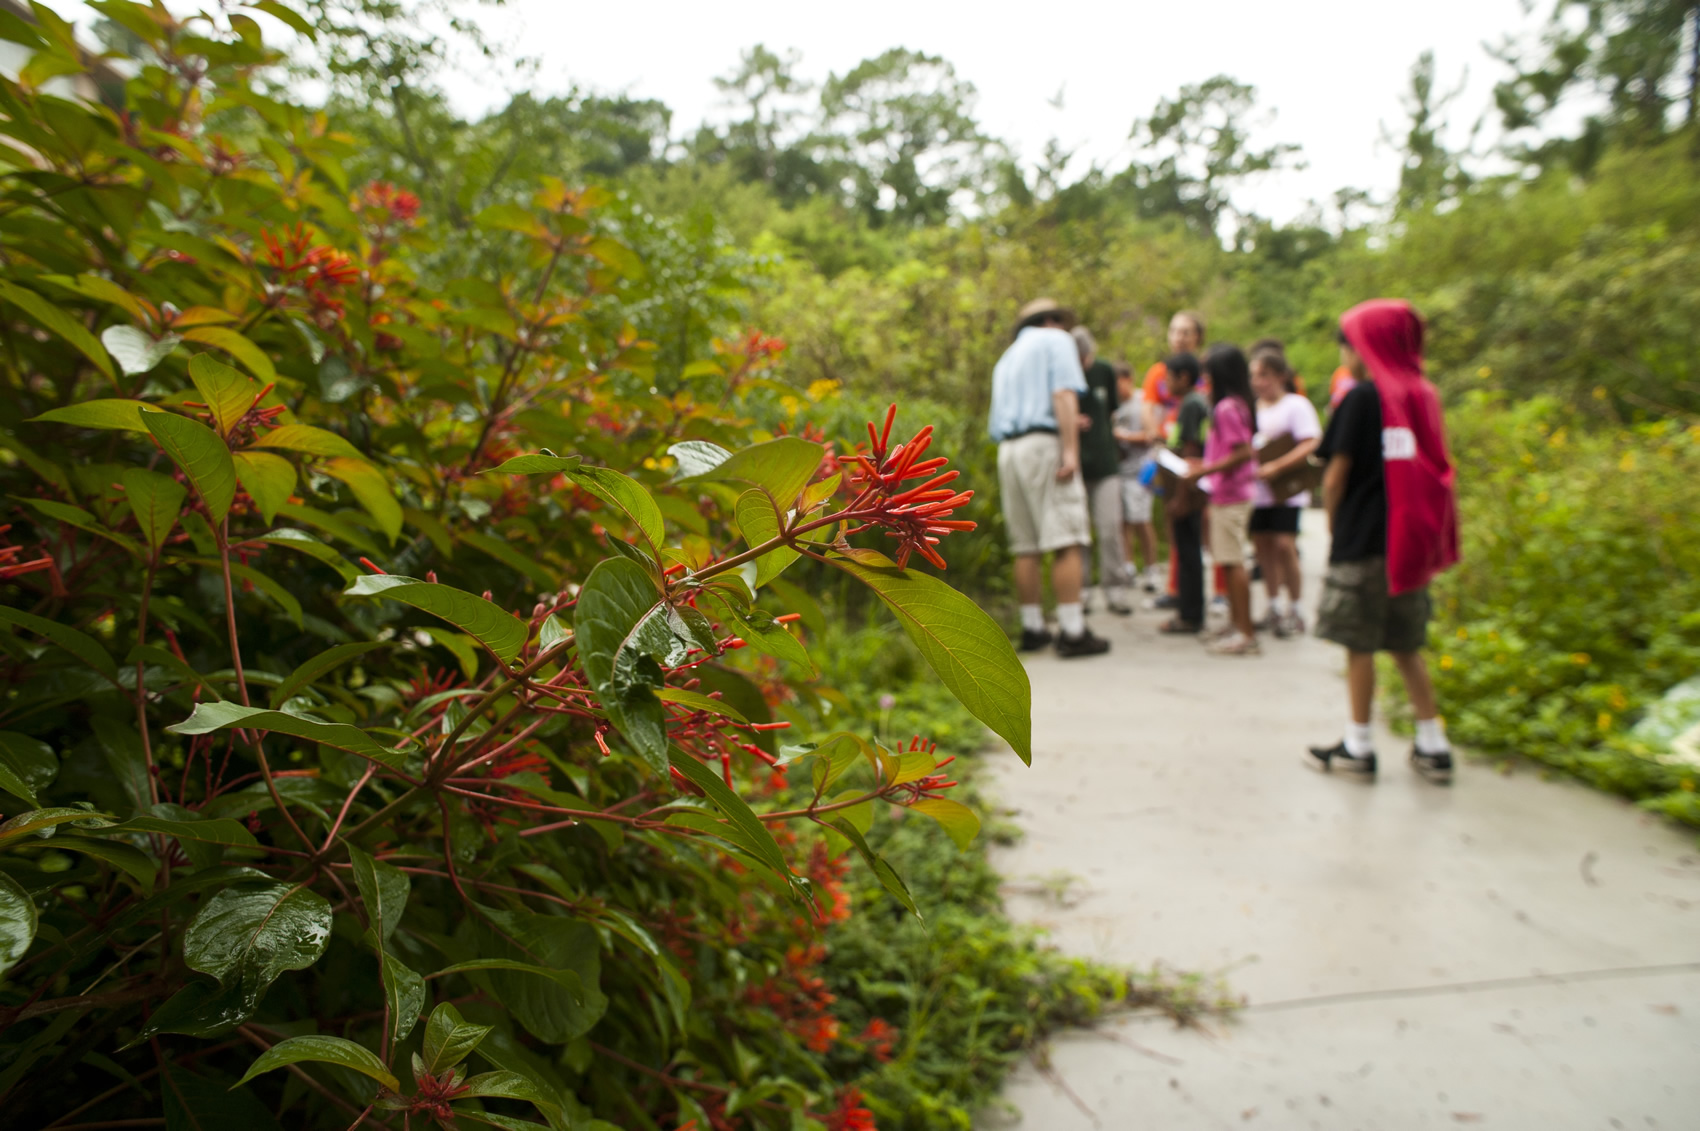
<point>1230,443</point>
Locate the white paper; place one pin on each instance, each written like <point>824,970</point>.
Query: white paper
<point>1169,461</point>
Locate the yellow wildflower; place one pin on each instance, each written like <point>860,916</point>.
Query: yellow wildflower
<point>1463,633</point>
<point>1580,658</point>
<point>1485,372</point>
<point>1604,721</point>
<point>824,389</point>
<point>1446,663</point>
<point>1627,463</point>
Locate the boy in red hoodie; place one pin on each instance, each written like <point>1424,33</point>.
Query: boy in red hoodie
<point>1388,490</point>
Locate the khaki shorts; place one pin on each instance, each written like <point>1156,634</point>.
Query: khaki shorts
<point>1136,501</point>
<point>1042,515</point>
<point>1229,539</point>
<point>1357,611</point>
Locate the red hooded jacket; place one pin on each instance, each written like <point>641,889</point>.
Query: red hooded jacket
<point>1422,508</point>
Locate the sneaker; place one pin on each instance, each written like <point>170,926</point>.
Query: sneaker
<point>1277,627</point>
<point>1166,601</point>
<point>1268,623</point>
<point>1436,768</point>
<point>1116,602</point>
<point>1327,758</point>
<point>1033,641</point>
<point>1068,647</point>
<point>1292,625</point>
<point>1235,644</point>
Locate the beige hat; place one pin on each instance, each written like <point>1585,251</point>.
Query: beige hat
<point>1044,306</point>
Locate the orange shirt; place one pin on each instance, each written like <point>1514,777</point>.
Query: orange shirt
<point>1339,385</point>
<point>1156,391</point>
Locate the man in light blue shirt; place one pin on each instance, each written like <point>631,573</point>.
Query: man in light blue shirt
<point>1035,418</point>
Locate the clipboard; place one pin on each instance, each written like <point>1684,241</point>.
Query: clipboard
<point>1307,476</point>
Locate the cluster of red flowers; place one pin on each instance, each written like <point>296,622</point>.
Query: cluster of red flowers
<point>395,203</point>
<point>321,273</point>
<point>799,998</point>
<point>879,1038</point>
<point>11,567</point>
<point>851,1115</point>
<point>917,516</point>
<point>826,873</point>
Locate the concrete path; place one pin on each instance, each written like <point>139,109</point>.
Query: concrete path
<point>1507,952</point>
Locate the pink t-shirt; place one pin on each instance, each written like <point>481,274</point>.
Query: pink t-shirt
<point>1230,426</point>
<point>1293,416</point>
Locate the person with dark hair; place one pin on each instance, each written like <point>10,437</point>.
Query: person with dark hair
<point>1035,418</point>
<point>1185,506</point>
<point>1388,489</point>
<point>1275,522</point>
<point>1162,398</point>
<point>1229,473</point>
<point>1100,464</point>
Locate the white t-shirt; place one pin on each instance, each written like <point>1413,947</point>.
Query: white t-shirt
<point>1292,415</point>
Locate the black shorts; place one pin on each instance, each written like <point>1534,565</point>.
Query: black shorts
<point>1279,519</point>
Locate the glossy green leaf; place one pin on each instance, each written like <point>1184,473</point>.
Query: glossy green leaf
<point>227,394</point>
<point>781,467</point>
<point>135,351</point>
<point>210,836</point>
<point>734,808</point>
<point>617,597</point>
<point>38,820</point>
<point>966,648</point>
<point>59,323</point>
<point>888,876</point>
<point>566,979</point>
<point>501,632</point>
<point>82,520</point>
<point>521,561</point>
<point>695,458</point>
<point>201,454</point>
<point>958,820</point>
<point>268,479</point>
<point>627,497</point>
<point>208,717</point>
<point>328,660</point>
<point>128,859</point>
<point>156,500</point>
<point>550,1010</point>
<point>248,576</point>
<point>383,891</point>
<point>26,765</point>
<point>250,933</point>
<point>126,762</point>
<point>449,1039</point>
<point>758,522</point>
<point>463,647</point>
<point>203,1008</point>
<point>109,414</point>
<point>338,525</point>
<point>325,1050</point>
<point>536,464</point>
<point>506,1085</point>
<point>371,488</point>
<point>79,644</point>
<point>759,629</point>
<point>404,993</point>
<point>17,922</point>
<point>304,543</point>
<point>308,440</point>
<point>697,701</point>
<point>237,346</point>
<point>287,15</point>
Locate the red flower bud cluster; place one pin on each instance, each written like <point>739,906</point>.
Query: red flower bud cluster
<point>917,516</point>
<point>320,273</point>
<point>399,204</point>
<point>799,999</point>
<point>851,1115</point>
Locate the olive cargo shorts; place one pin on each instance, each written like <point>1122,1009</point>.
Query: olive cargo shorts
<point>1357,611</point>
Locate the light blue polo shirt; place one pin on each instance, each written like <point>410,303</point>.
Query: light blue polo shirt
<point>1041,361</point>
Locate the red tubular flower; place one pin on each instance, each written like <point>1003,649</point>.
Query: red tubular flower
<point>880,1038</point>
<point>851,1115</point>
<point>918,517</point>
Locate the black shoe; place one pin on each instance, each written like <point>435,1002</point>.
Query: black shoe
<point>1085,644</point>
<point>1122,610</point>
<point>1166,601</point>
<point>1033,641</point>
<point>1436,768</point>
<point>1329,758</point>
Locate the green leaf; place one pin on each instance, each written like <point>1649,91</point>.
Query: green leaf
<point>79,644</point>
<point>383,890</point>
<point>125,759</point>
<point>888,876</point>
<point>371,488</point>
<point>626,496</point>
<point>759,524</point>
<point>202,1008</point>
<point>208,717</point>
<point>334,524</point>
<point>404,992</point>
<point>328,660</point>
<point>228,395</point>
<point>287,15</point>
<point>35,821</point>
<point>969,651</point>
<point>695,458</point>
<point>249,934</point>
<point>325,1050</point>
<point>58,322</point>
<point>201,454</point>
<point>135,350</point>
<point>615,600</point>
<point>128,859</point>
<point>17,922</point>
<point>304,543</point>
<point>552,631</point>
<point>736,810</point>
<point>551,1010</point>
<point>202,840</point>
<point>760,630</point>
<point>510,217</point>
<point>566,979</point>
<point>81,519</point>
<point>536,465</point>
<point>506,1085</point>
<point>958,820</point>
<point>110,414</point>
<point>156,500</point>
<point>234,344</point>
<point>697,701</point>
<point>308,440</point>
<point>464,648</point>
<point>268,479</point>
<point>449,1039</point>
<point>26,765</point>
<point>197,1103</point>
<point>284,599</point>
<point>512,557</point>
<point>781,467</point>
<point>501,632</point>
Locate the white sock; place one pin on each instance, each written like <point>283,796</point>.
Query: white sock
<point>1282,604</point>
<point>1431,737</point>
<point>1071,619</point>
<point>1033,618</point>
<point>1358,739</point>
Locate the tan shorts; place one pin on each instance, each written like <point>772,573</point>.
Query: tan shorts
<point>1229,538</point>
<point>1042,515</point>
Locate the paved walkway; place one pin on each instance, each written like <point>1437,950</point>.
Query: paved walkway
<point>1507,952</point>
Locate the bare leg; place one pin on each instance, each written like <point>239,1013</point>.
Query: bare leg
<point>1238,585</point>
<point>1413,669</point>
<point>1268,558</point>
<point>1360,684</point>
<point>1066,570</point>
<point>1027,579</point>
<point>1287,562</point>
<point>1147,542</point>
<point>1127,544</point>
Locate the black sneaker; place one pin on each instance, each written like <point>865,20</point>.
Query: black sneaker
<point>1327,758</point>
<point>1166,601</point>
<point>1085,644</point>
<point>1033,641</point>
<point>1436,768</point>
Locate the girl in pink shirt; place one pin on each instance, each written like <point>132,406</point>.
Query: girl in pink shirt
<point>1230,475</point>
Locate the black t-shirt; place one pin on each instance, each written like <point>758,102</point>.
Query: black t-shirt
<point>1192,425</point>
<point>1354,431</point>
<point>1099,456</point>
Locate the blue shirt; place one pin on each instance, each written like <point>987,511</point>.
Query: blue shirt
<point>1041,361</point>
